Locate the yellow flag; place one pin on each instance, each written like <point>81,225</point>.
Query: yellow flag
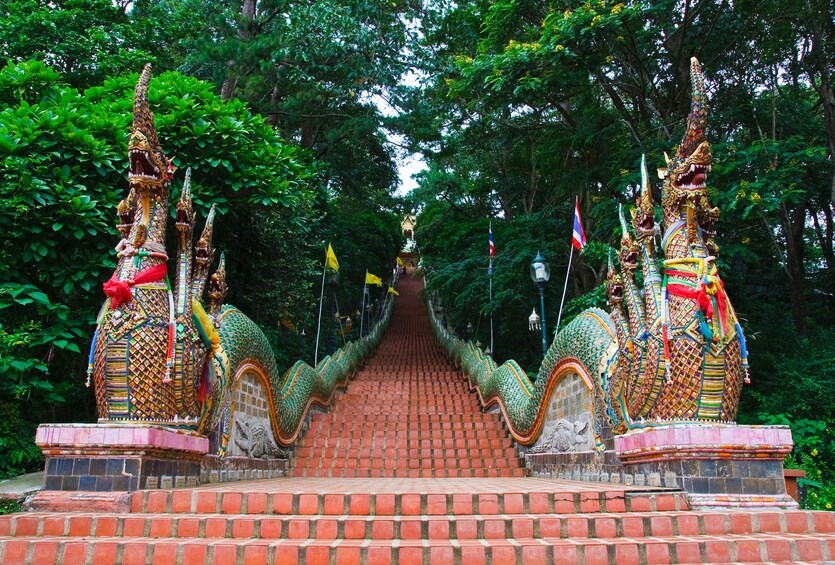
<point>373,279</point>
<point>399,262</point>
<point>394,292</point>
<point>330,259</point>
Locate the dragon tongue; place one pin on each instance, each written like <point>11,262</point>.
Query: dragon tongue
<point>699,179</point>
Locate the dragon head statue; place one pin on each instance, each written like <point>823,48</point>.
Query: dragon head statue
<point>685,178</point>
<point>614,284</point>
<point>150,171</point>
<point>628,255</point>
<point>643,216</point>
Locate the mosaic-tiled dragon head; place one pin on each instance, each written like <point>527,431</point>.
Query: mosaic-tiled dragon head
<point>149,350</point>
<point>614,284</point>
<point>685,177</point>
<point>682,351</point>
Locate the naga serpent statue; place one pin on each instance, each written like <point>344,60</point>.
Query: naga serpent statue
<point>670,349</point>
<point>157,355</point>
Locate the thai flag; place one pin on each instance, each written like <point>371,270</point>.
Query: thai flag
<point>578,239</point>
<point>492,245</point>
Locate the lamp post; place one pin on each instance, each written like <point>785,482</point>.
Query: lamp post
<point>540,273</point>
<point>469,330</point>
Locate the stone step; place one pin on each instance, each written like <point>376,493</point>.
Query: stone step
<point>606,526</point>
<point>232,500</point>
<point>751,548</point>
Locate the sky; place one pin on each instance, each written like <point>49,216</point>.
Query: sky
<point>406,167</point>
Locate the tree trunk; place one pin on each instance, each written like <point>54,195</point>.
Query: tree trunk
<point>824,233</point>
<point>227,90</point>
<point>793,221</point>
<point>819,68</point>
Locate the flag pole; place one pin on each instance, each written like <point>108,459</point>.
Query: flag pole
<point>490,275</point>
<point>490,272</point>
<point>564,288</point>
<point>319,322</point>
<point>364,292</point>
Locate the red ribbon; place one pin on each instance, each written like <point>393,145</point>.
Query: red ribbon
<point>702,298</point>
<point>120,292</point>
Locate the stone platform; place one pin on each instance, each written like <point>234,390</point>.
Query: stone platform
<point>119,456</point>
<point>718,465</point>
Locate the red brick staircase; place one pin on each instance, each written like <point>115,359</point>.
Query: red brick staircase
<point>406,470</point>
<point>408,413</point>
<point>414,521</point>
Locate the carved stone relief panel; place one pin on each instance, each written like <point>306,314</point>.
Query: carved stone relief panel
<point>568,425</point>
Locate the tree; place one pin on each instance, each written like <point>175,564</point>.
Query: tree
<point>89,40</point>
<point>314,68</point>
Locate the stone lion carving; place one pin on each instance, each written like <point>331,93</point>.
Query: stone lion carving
<point>255,440</point>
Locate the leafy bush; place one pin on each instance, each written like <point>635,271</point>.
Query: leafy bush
<point>10,507</point>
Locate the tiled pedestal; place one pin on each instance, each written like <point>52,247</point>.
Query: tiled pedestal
<point>119,457</point>
<point>718,465</point>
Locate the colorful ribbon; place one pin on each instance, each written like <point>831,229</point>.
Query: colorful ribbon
<point>120,291</point>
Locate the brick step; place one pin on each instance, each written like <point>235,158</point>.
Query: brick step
<point>393,453</point>
<point>415,398</point>
<point>423,438</point>
<point>390,411</point>
<point>786,548</point>
<point>419,403</point>
<point>234,500</point>
<point>389,458</point>
<point>369,431</point>
<point>435,373</point>
<point>402,442</point>
<point>472,422</point>
<point>397,423</point>
<point>432,527</point>
<point>415,379</point>
<point>393,409</point>
<point>383,428</point>
<point>515,472</point>
<point>324,462</point>
<point>408,362</point>
<point>422,419</point>
<point>450,392</point>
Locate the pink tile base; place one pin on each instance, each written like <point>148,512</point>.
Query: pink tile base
<point>52,438</point>
<point>704,441</point>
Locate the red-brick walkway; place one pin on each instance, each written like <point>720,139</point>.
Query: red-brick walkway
<point>408,413</point>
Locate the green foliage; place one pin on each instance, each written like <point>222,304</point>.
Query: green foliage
<point>89,40</point>
<point>10,507</point>
<point>18,452</point>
